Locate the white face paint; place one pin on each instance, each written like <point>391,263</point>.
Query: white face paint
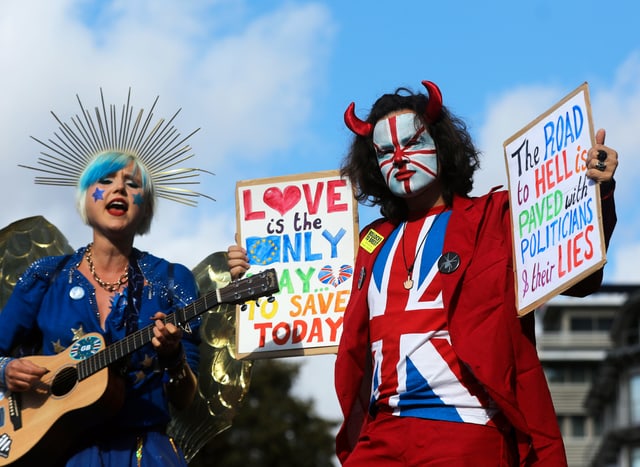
<point>406,156</point>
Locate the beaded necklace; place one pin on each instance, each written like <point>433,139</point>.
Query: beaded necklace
<point>108,286</point>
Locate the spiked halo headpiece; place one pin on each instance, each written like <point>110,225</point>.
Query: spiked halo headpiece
<point>160,148</point>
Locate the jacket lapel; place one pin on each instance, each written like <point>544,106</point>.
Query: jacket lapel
<point>460,238</point>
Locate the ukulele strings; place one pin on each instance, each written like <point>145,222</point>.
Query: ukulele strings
<point>68,376</point>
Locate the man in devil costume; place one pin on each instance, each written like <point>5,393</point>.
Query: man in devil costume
<point>434,366</point>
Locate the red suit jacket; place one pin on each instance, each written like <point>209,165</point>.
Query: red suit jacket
<point>485,330</point>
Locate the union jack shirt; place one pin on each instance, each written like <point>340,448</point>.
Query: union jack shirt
<point>415,369</point>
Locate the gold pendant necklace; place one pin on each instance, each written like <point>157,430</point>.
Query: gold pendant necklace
<point>408,284</point>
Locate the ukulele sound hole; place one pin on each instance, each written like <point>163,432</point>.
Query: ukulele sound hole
<point>64,381</point>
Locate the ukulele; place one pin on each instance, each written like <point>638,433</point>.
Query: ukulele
<point>78,386</point>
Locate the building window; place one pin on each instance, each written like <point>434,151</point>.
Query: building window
<point>563,429</point>
<point>579,373</point>
<point>598,425</point>
<point>634,395</point>
<point>580,323</point>
<point>635,457</point>
<point>554,375</point>
<point>574,426</point>
<point>592,323</point>
<point>578,426</point>
<point>632,333</point>
<point>604,324</point>
<point>569,372</point>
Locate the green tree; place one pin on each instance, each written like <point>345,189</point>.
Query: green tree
<point>272,428</point>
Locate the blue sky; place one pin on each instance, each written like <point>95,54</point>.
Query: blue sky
<point>267,82</point>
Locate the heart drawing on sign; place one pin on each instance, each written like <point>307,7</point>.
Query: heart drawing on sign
<point>327,276</point>
<point>282,201</point>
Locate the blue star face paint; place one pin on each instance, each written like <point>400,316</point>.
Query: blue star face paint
<point>98,194</point>
<point>138,199</point>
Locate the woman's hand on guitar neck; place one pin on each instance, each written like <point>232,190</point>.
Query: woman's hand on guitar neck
<point>21,374</point>
<point>166,337</point>
<point>181,387</point>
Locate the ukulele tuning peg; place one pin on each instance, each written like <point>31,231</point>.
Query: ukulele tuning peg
<point>271,299</point>
<point>243,307</point>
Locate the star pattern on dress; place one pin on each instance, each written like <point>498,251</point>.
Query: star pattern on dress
<point>140,375</point>
<point>77,333</point>
<point>57,346</point>
<point>147,362</point>
<point>97,194</point>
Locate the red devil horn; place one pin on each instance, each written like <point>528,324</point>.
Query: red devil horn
<point>434,106</point>
<point>359,127</point>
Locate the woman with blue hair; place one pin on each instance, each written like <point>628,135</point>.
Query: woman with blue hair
<point>106,293</point>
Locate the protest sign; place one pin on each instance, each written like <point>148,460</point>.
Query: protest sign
<point>305,227</point>
<point>555,208</point>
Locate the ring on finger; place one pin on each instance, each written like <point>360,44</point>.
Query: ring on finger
<point>600,165</point>
<point>602,155</point>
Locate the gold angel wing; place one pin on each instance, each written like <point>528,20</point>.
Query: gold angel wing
<point>23,242</point>
<point>223,381</point>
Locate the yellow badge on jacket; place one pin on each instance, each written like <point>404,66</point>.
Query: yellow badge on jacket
<point>371,241</point>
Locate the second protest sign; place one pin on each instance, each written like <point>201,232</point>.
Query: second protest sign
<point>555,208</point>
<point>305,227</point>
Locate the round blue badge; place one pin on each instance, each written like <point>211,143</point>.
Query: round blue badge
<point>76,293</point>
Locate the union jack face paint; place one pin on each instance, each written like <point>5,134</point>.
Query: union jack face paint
<point>406,155</point>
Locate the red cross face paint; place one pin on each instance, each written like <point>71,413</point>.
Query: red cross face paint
<point>406,155</point>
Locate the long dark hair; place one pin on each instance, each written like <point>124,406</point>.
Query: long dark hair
<point>457,155</point>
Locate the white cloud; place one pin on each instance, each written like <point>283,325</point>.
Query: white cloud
<point>191,242</point>
<point>248,81</point>
<point>615,107</point>
<point>506,115</point>
<point>625,257</point>
<point>258,87</point>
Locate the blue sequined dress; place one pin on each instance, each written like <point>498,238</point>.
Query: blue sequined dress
<point>55,299</point>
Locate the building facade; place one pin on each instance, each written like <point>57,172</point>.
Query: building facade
<point>614,397</point>
<point>574,339</point>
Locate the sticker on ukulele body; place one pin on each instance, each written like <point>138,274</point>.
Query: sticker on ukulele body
<point>85,347</point>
